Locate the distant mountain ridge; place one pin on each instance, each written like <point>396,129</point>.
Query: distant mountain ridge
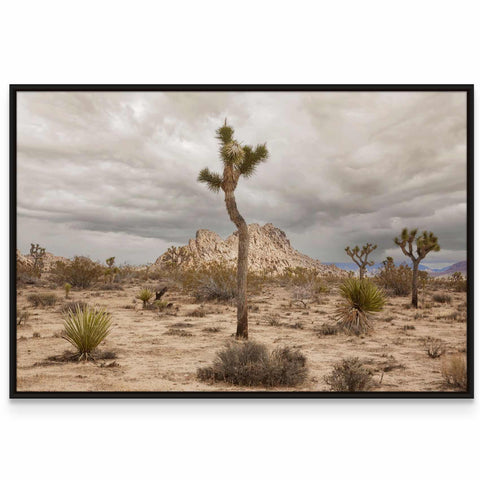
<point>435,272</point>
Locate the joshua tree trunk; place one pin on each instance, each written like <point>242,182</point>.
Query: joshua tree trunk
<point>415,284</point>
<point>362,273</point>
<point>242,263</point>
<point>237,160</point>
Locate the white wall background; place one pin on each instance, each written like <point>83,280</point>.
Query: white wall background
<point>241,42</point>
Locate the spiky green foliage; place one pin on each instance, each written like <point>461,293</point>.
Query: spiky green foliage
<point>420,245</point>
<point>145,296</point>
<point>243,158</point>
<point>212,180</point>
<point>110,261</point>
<point>85,328</point>
<point>252,159</point>
<point>360,298</point>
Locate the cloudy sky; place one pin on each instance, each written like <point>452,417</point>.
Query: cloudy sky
<point>107,173</point>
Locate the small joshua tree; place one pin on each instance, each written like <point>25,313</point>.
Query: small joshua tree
<point>111,269</point>
<point>237,160</point>
<point>37,253</point>
<point>422,244</point>
<point>67,287</point>
<point>360,257</point>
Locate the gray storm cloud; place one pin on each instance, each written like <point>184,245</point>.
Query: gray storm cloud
<point>114,173</point>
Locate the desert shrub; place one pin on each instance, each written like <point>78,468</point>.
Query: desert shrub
<point>442,298</point>
<point>327,329</point>
<point>22,317</point>
<point>81,272</point>
<point>145,296</point>
<point>109,287</point>
<point>273,321</point>
<point>161,305</point>
<point>434,347</point>
<point>67,288</point>
<point>211,329</point>
<point>25,274</point>
<point>308,280</point>
<point>349,375</point>
<point>42,299</point>
<point>303,295</point>
<point>396,280</point>
<point>250,364</point>
<point>198,312</point>
<point>457,282</point>
<point>214,281</point>
<point>360,299</point>
<point>85,328</point>
<point>296,325</point>
<point>178,332</point>
<point>73,306</point>
<point>454,371</point>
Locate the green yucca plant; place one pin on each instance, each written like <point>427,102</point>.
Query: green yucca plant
<point>359,299</point>
<point>85,328</point>
<point>145,296</point>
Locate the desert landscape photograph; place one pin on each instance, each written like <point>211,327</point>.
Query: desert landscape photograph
<point>183,241</point>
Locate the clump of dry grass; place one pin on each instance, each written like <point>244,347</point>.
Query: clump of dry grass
<point>22,317</point>
<point>211,329</point>
<point>349,375</point>
<point>197,313</point>
<point>434,347</point>
<point>250,364</point>
<point>454,371</point>
<point>442,298</point>
<point>178,332</point>
<point>273,321</point>
<point>73,306</point>
<point>42,299</point>
<point>326,329</point>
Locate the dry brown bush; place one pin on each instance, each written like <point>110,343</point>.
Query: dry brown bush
<point>454,371</point>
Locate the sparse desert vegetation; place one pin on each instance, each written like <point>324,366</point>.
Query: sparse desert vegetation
<point>183,341</point>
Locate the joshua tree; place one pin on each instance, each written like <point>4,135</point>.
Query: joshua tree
<point>360,257</point>
<point>237,160</point>
<point>111,269</point>
<point>37,253</point>
<point>425,243</point>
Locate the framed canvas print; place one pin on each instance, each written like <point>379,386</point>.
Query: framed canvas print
<point>241,241</point>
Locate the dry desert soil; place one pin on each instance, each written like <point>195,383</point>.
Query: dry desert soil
<point>159,352</point>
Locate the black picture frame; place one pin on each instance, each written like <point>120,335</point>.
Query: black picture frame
<point>467,88</point>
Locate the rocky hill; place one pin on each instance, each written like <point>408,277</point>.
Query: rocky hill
<point>270,250</point>
<point>49,260</point>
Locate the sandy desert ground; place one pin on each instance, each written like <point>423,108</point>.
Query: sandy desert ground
<point>162,351</point>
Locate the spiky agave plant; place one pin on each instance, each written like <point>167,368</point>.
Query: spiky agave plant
<point>360,298</point>
<point>85,328</point>
<point>145,296</point>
